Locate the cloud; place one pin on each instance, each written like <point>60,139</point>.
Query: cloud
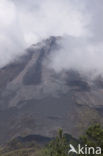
<point>83,53</point>
<point>23,22</point>
<point>78,54</point>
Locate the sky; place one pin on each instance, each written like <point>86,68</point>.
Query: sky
<point>79,22</point>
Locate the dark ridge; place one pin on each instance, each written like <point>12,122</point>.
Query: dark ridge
<point>37,138</point>
<point>30,138</point>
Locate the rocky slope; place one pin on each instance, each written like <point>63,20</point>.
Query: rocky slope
<point>34,99</point>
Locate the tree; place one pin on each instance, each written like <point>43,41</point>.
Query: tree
<point>93,137</point>
<point>58,147</point>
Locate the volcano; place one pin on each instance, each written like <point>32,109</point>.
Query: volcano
<point>34,99</point>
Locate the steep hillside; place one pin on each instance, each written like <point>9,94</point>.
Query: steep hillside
<point>34,99</point>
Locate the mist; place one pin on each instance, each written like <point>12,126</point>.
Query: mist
<point>78,22</point>
<point>79,54</point>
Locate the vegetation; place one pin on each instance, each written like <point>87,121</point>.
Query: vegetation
<point>93,137</point>
<point>59,146</point>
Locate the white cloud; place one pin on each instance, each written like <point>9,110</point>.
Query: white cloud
<point>25,22</point>
<point>78,54</point>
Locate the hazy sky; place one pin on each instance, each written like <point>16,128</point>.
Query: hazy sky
<point>80,22</point>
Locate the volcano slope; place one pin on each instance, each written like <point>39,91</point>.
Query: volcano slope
<point>34,99</point>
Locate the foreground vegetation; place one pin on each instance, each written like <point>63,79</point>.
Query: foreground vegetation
<point>58,146</point>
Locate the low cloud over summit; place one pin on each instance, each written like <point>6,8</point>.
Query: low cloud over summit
<point>26,22</point>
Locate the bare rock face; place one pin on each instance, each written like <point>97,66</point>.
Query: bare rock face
<point>34,99</point>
